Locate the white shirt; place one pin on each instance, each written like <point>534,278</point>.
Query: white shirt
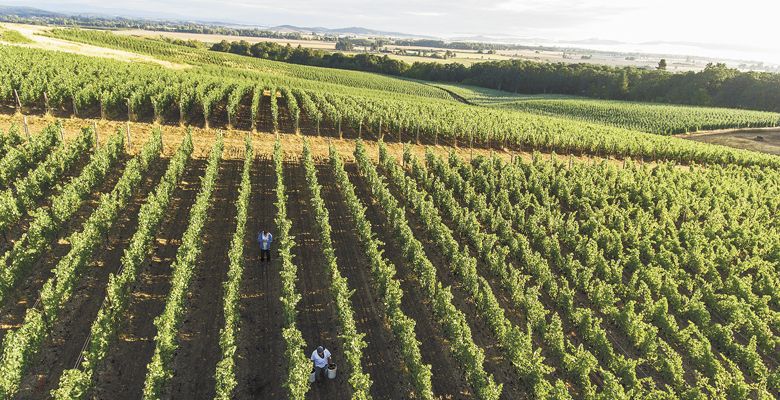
<point>320,362</point>
<point>265,240</point>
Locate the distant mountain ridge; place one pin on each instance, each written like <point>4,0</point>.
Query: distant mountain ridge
<point>23,11</point>
<point>354,30</point>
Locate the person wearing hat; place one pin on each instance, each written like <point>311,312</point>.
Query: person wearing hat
<point>320,358</point>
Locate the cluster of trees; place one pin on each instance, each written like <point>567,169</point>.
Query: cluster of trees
<point>320,58</point>
<point>716,85</point>
<point>478,46</point>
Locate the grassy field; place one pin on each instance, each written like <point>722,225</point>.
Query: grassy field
<point>13,36</point>
<point>665,119</point>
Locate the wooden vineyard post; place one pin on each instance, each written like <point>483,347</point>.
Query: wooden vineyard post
<point>102,110</point>
<point>129,110</point>
<point>26,128</point>
<point>471,146</point>
<point>360,130</point>
<point>94,128</point>
<point>571,161</point>
<point>75,109</point>
<point>381,135</point>
<point>400,138</point>
<point>341,134</point>
<point>46,102</point>
<point>417,135</point>
<point>127,132</point>
<point>18,103</point>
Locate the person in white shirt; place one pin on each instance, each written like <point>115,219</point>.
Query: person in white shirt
<point>320,358</point>
<point>264,239</point>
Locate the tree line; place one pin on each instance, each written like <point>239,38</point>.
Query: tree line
<point>716,85</point>
<point>320,58</point>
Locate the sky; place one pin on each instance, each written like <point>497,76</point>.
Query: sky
<point>740,29</point>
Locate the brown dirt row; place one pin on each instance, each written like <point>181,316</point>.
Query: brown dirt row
<point>260,367</point>
<point>263,140</point>
<point>448,382</point>
<point>495,362</point>
<point>61,350</point>
<point>199,350</point>
<point>317,318</point>
<point>620,343</point>
<point>27,291</point>
<point>125,368</point>
<point>516,316</point>
<point>13,233</point>
<point>381,359</point>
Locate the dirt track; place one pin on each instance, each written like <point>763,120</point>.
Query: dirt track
<point>448,382</point>
<point>28,289</point>
<point>123,374</point>
<point>199,351</point>
<point>381,359</point>
<point>761,140</point>
<point>61,351</point>
<point>260,355</point>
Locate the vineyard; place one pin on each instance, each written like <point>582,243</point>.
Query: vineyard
<point>438,249</point>
<point>646,117</point>
<point>428,275</point>
<point>68,85</point>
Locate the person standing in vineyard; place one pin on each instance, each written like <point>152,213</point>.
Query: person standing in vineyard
<point>320,358</point>
<point>264,239</point>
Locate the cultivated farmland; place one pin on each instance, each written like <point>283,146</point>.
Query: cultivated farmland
<point>439,250</point>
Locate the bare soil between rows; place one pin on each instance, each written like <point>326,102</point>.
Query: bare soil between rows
<point>260,367</point>
<point>61,350</point>
<point>32,280</point>
<point>766,140</point>
<point>124,370</point>
<point>447,380</point>
<point>199,352</point>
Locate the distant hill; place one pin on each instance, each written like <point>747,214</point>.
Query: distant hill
<point>22,11</point>
<point>355,30</point>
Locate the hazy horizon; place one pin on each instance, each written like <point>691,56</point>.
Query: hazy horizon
<point>704,28</point>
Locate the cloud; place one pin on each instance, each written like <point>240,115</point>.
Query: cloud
<point>425,13</point>
<point>555,8</point>
<point>751,22</point>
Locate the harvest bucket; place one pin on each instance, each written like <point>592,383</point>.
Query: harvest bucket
<point>313,376</point>
<point>331,371</point>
